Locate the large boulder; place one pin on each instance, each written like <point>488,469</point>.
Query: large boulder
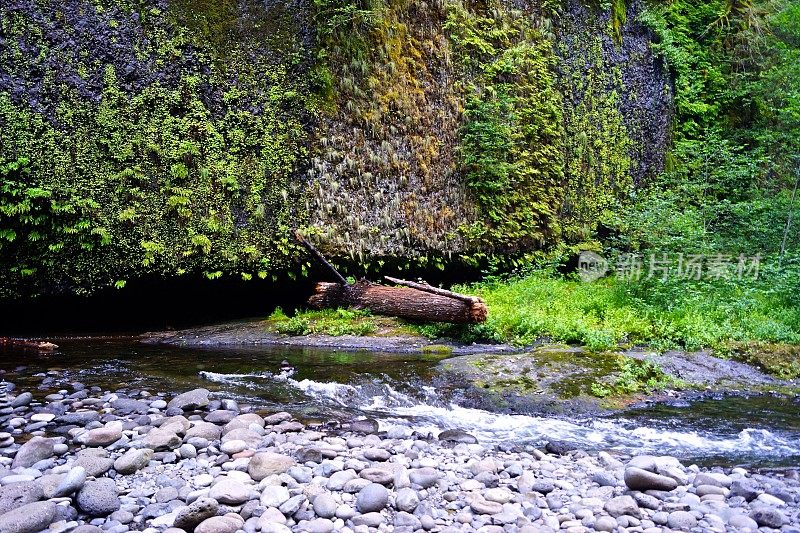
<point>16,495</point>
<point>29,518</point>
<point>99,498</point>
<point>193,399</point>
<point>35,450</point>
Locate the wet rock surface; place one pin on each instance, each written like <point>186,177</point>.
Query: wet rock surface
<point>256,471</point>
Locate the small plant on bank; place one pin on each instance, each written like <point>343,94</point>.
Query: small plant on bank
<point>334,322</point>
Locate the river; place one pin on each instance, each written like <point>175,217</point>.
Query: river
<point>407,390</point>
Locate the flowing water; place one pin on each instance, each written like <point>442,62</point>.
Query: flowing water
<point>406,390</point>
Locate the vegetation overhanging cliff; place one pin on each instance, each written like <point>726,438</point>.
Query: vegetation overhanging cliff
<point>173,137</point>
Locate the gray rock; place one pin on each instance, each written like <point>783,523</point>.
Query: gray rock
<point>377,475</point>
<point>338,480</point>
<point>622,505</point>
<point>266,464</point>
<point>424,477</point>
<point>93,465</point>
<point>22,400</point>
<point>711,478</point>
<point>18,494</point>
<point>291,506</point>
<point>126,406</point>
<point>229,491</point>
<point>681,520</point>
<point>481,506</point>
<point>35,450</point>
<point>277,418</point>
<point>162,439</point>
<point>374,497</point>
<point>133,460</point>
<point>100,436</point>
<point>79,418</point>
<point>99,497</point>
<point>458,436</point>
<point>639,479</point>
<point>746,488</point>
<point>376,454</point>
<point>229,523</point>
<point>86,528</point>
<point>605,523</point>
<point>190,400</point>
<point>741,521</point>
<point>72,482</point>
<point>30,518</point>
<point>368,519</point>
<point>197,511</point>
<point>274,496</point>
<point>204,430</point>
<point>367,426</point>
<point>311,454</point>
<point>406,500</point>
<point>407,520</point>
<point>325,506</point>
<point>768,517</point>
<point>605,479</point>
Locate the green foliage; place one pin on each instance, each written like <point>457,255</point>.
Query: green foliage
<point>605,314</point>
<point>511,141</point>
<point>633,376</point>
<point>162,180</point>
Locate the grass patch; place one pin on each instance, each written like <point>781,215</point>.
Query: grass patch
<point>334,322</point>
<point>635,376</point>
<point>608,313</point>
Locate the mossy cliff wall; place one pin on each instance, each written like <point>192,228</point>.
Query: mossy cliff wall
<point>187,137</point>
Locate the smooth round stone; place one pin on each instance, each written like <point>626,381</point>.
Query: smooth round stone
<point>377,454</point>
<point>325,506</point>
<point>229,523</point>
<point>133,460</point>
<point>406,500</point>
<point>318,525</point>
<point>682,520</point>
<point>498,495</point>
<point>158,404</point>
<point>99,498</point>
<point>187,451</point>
<point>424,477</point>
<point>230,492</point>
<point>233,446</point>
<point>43,417</point>
<point>265,464</point>
<point>16,495</point>
<point>605,523</point>
<point>373,497</point>
<point>72,482</point>
<point>642,480</point>
<point>345,512</point>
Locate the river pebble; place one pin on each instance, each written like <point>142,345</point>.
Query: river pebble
<point>140,461</point>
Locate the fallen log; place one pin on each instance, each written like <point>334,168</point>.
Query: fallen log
<point>402,302</point>
<point>412,300</point>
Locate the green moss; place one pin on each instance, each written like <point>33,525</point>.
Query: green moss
<point>161,181</point>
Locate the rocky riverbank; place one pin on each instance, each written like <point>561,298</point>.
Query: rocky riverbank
<point>86,460</point>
